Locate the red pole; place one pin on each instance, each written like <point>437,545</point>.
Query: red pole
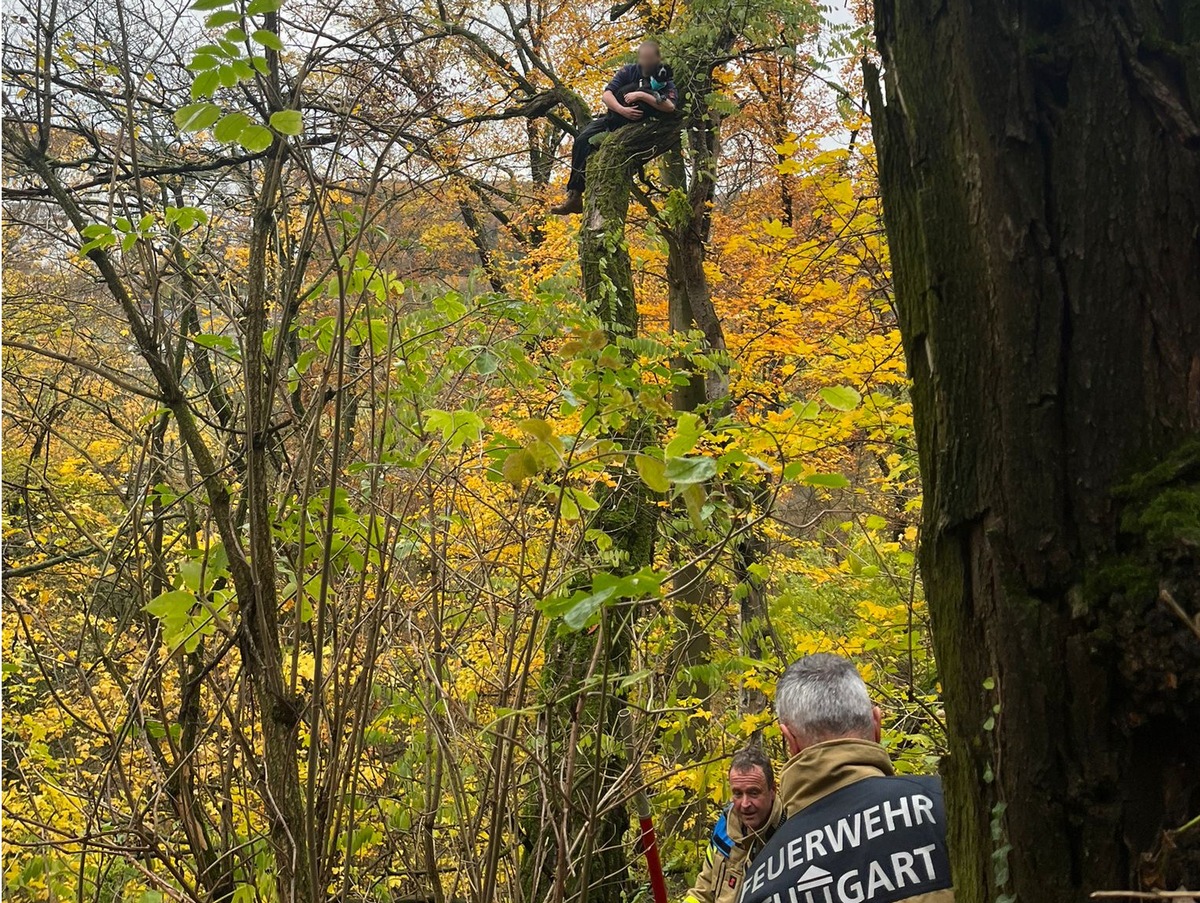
<point>641,802</point>
<point>658,883</point>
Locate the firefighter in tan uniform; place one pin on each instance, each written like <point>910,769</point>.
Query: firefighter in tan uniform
<point>853,830</point>
<point>746,824</point>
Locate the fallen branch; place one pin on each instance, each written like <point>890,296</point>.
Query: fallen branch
<point>1165,597</point>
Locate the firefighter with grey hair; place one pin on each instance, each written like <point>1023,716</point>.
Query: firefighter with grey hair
<point>853,830</point>
<point>746,824</point>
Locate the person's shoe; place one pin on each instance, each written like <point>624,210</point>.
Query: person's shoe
<point>573,204</point>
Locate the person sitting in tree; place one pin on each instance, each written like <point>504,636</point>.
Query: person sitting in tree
<point>639,90</point>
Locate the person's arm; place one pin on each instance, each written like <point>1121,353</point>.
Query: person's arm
<point>704,890</point>
<point>610,101</point>
<point>663,104</point>
<point>626,75</point>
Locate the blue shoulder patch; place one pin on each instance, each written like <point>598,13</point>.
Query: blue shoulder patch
<point>720,835</point>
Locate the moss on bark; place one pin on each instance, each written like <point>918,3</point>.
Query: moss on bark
<point>581,720</point>
<point>603,252</point>
<point>1040,190</point>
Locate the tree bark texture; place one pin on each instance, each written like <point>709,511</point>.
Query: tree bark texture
<point>603,252</point>
<point>688,225</point>
<point>1040,167</point>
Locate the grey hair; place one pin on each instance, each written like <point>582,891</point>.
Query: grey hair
<point>751,757</point>
<point>822,697</point>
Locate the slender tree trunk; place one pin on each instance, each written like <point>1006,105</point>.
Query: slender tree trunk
<point>693,591</point>
<point>280,712</point>
<point>690,303</point>
<point>751,549</point>
<point>1040,165</point>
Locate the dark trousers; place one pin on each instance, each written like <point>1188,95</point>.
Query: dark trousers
<point>584,147</point>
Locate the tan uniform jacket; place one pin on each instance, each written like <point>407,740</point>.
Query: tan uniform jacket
<point>730,848</point>
<point>823,768</point>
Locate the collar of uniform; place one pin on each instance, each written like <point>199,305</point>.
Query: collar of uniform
<point>822,768</point>
<point>738,833</point>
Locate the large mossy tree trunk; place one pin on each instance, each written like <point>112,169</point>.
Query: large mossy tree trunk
<point>1040,167</point>
<point>603,252</point>
<point>582,716</point>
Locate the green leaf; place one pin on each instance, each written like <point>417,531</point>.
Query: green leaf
<point>841,398</point>
<point>185,217</point>
<point>287,122</point>
<point>519,466</point>
<point>268,39</point>
<point>653,472</point>
<point>202,61</point>
<point>204,5</point>
<point>694,498</point>
<point>487,364</point>
<point>236,35</point>
<point>216,342</point>
<point>578,609</point>
<point>243,70</point>
<point>688,471</point>
<point>793,470</point>
<point>171,604</point>
<point>578,614</point>
<point>259,7</point>
<point>255,138</point>
<point>875,522</point>
<point>224,17</point>
<point>989,683</point>
<point>230,127</point>
<point>583,499</point>
<point>538,428</point>
<point>174,609</point>
<point>450,306</point>
<point>688,431</point>
<point>197,116</point>
<point>806,410</point>
<point>828,480</point>
<point>630,680</point>
<point>204,84</point>
<point>568,509</point>
<point>104,241</point>
<point>457,427</point>
<point>189,574</point>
